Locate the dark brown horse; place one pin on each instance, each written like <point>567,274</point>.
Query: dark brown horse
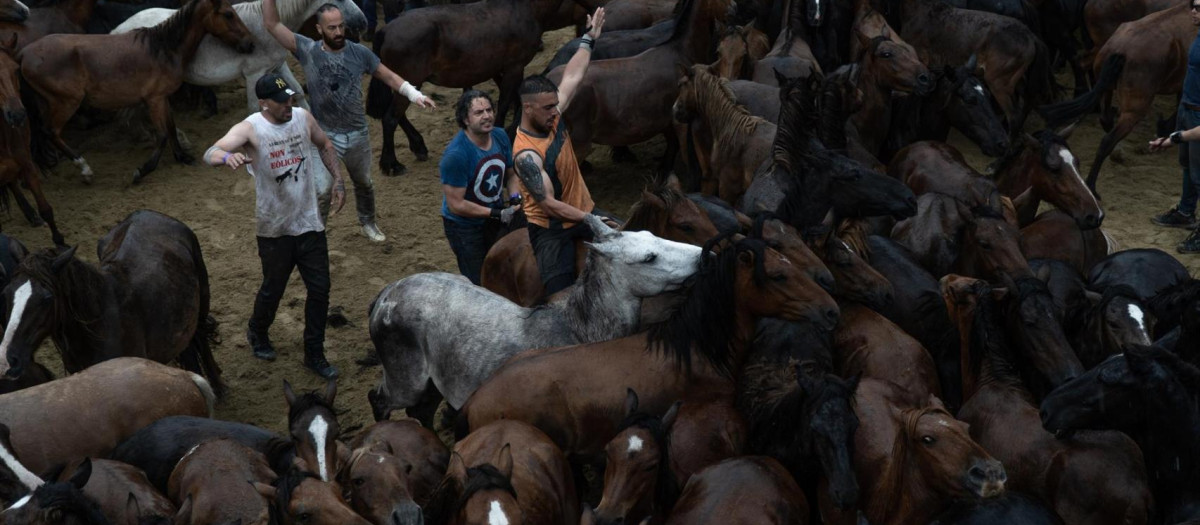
<point>301,498</point>
<point>1102,18</point>
<point>16,161</point>
<point>888,64</point>
<point>738,52</point>
<point>948,234</point>
<point>506,472</point>
<point>695,352</point>
<point>867,344</point>
<point>846,253</point>
<point>421,454</point>
<point>148,297</point>
<point>510,268</point>
<point>13,11</point>
<point>426,45</point>
<point>67,16</point>
<point>313,425</point>
<point>119,71</point>
<point>913,458</point>
<point>638,482</point>
<point>1055,235</point>
<point>741,491</point>
<point>633,14</point>
<point>215,483</point>
<point>123,493</point>
<point>1143,58</point>
<point>1096,478</point>
<point>379,487</point>
<point>112,400</point>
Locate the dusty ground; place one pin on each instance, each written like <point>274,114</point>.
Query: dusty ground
<point>219,205</point>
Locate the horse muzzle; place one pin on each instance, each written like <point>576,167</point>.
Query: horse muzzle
<point>245,46</point>
<point>986,478</point>
<point>14,116</point>
<point>17,15</point>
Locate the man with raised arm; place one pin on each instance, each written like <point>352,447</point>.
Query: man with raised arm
<point>276,145</point>
<point>555,198</point>
<point>333,70</point>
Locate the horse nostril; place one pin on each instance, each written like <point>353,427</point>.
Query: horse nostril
<point>977,474</point>
<point>14,366</point>
<point>826,282</point>
<point>831,315</point>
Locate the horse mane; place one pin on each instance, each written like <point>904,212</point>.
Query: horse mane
<point>989,343</point>
<point>684,11</point>
<point>72,500</point>
<point>163,40</point>
<point>886,497</point>
<point>1027,286</point>
<point>643,217</point>
<point>774,405</point>
<point>799,118</point>
<point>279,453</point>
<point>666,487</point>
<point>285,486</point>
<point>78,289</point>
<point>1168,304</point>
<point>451,494</point>
<point>731,123</point>
<point>307,401</point>
<point>985,211</point>
<point>854,233</point>
<point>704,324</point>
<point>833,108</point>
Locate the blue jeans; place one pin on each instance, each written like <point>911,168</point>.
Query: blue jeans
<point>1189,159</point>
<point>368,9</point>
<point>470,244</point>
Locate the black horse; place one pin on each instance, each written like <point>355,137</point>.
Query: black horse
<point>1151,395</point>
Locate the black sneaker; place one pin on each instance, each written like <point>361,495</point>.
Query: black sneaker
<point>320,366</point>
<point>261,346</point>
<point>1191,244</point>
<point>1174,219</point>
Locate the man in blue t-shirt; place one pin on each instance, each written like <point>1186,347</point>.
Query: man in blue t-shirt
<point>1183,215</point>
<point>477,173</point>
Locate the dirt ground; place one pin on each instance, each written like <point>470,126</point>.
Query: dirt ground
<point>218,204</point>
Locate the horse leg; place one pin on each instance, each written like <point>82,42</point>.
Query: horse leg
<point>388,163</point>
<point>30,177</point>
<point>416,143</point>
<point>57,116</point>
<point>1134,108</point>
<point>427,407</point>
<point>509,83</point>
<point>667,165</point>
<point>159,115</point>
<point>30,214</point>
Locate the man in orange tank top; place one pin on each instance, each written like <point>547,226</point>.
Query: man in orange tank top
<point>554,194</point>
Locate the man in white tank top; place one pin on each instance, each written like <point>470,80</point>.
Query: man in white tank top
<point>278,145</point>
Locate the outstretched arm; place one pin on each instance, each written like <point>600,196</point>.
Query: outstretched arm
<point>578,65</point>
<point>271,22</point>
<point>1187,135</point>
<point>224,152</point>
<point>330,159</point>
<point>389,77</point>
<point>536,181</point>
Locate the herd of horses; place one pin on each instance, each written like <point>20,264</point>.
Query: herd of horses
<point>829,316</point>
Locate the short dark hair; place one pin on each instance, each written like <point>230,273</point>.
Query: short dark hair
<point>326,7</point>
<point>536,85</point>
<point>463,107</point>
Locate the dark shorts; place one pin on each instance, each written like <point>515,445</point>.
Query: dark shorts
<point>554,249</point>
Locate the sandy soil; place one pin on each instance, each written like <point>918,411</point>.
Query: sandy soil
<point>219,205</point>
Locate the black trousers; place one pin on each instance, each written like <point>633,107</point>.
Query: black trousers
<point>310,253</point>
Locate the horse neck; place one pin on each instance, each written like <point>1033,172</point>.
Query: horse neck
<point>193,35</point>
<point>905,498</point>
<point>292,13</point>
<point>79,320</point>
<point>1169,439</point>
<point>600,308</point>
<point>1026,206</point>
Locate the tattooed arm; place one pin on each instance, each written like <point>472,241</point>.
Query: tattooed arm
<point>330,159</point>
<point>537,183</point>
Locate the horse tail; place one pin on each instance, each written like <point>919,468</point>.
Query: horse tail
<point>379,95</point>
<point>206,390</point>
<point>198,354</point>
<point>1039,78</point>
<point>1071,110</point>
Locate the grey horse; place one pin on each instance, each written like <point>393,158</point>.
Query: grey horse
<point>439,328</point>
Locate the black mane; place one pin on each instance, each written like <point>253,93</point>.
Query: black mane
<point>307,401</point>
<point>667,489</point>
<point>72,501</point>
<point>451,495</point>
<point>164,40</point>
<point>79,298</point>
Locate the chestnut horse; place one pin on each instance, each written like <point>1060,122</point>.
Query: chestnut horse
<point>421,454</point>
<point>738,51</point>
<point>1055,235</point>
<point>67,70</point>
<point>638,479</point>
<point>912,458</point>
<point>1096,478</point>
<point>301,498</point>
<point>120,395</point>
<point>378,486</point>
<point>506,472</point>
<point>57,503</point>
<point>1143,58</point>
<point>123,493</point>
<point>148,297</point>
<point>867,344</point>
<point>215,483</point>
<point>313,425</point>
<point>741,491</point>
<point>426,45</point>
<point>888,64</point>
<point>16,161</point>
<point>695,352</point>
<point>510,268</point>
<point>1102,18</point>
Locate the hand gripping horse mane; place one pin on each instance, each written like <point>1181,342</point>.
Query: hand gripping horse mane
<point>439,328</point>
<point>216,64</point>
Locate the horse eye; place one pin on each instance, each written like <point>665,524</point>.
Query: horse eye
<point>779,277</point>
<point>650,258</point>
<point>886,54</point>
<point>358,482</point>
<point>686,228</point>
<point>304,517</point>
<point>928,440</point>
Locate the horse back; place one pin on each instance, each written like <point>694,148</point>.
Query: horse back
<point>743,490</point>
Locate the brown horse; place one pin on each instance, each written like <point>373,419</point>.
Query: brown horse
<point>148,298</point>
<point>301,498</point>
<point>313,425</point>
<point>1055,235</point>
<point>58,503</point>
<point>742,491</point>
<point>887,64</point>
<point>1097,477</point>
<point>912,458</point>
<point>740,142</point>
<point>16,162</point>
<point>422,455</point>
<point>696,352</point>
<point>123,493</point>
<point>112,400</point>
<point>738,51</point>
<point>379,486</point>
<point>867,344</point>
<point>635,14</point>
<point>65,16</point>
<point>67,70</point>
<point>215,483</point>
<point>427,45</point>
<point>846,253</point>
<point>638,482</point>
<point>510,268</point>
<point>506,472</point>
<point>1144,58</point>
<point>950,235</point>
<point>1102,18</point>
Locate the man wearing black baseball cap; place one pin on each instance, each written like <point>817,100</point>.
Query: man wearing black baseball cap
<point>333,70</point>
<point>276,144</point>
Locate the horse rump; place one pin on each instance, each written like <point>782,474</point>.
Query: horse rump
<point>1071,110</point>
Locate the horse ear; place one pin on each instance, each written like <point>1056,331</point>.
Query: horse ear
<point>457,468</point>
<point>63,258</point>
<point>600,230</point>
<point>653,200</point>
<point>1093,298</point>
<point>82,473</point>
<point>673,183</point>
<point>131,506</point>
<point>381,447</point>
<point>264,490</point>
<point>935,402</point>
<point>972,63</point>
<point>330,390</point>
<point>631,402</point>
<point>504,461</point>
<point>1065,133</point>
<point>588,516</point>
<point>746,258</point>
<point>672,414</point>
<point>288,394</point>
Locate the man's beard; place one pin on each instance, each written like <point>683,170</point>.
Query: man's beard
<point>335,44</point>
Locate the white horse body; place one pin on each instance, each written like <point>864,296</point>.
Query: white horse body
<point>216,63</point>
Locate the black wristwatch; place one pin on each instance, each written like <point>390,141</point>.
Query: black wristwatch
<point>495,213</point>
<point>1176,137</point>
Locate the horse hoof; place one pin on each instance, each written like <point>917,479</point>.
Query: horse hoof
<point>394,169</point>
<point>422,156</point>
<point>137,176</point>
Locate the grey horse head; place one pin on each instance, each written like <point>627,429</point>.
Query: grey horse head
<point>641,263</point>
